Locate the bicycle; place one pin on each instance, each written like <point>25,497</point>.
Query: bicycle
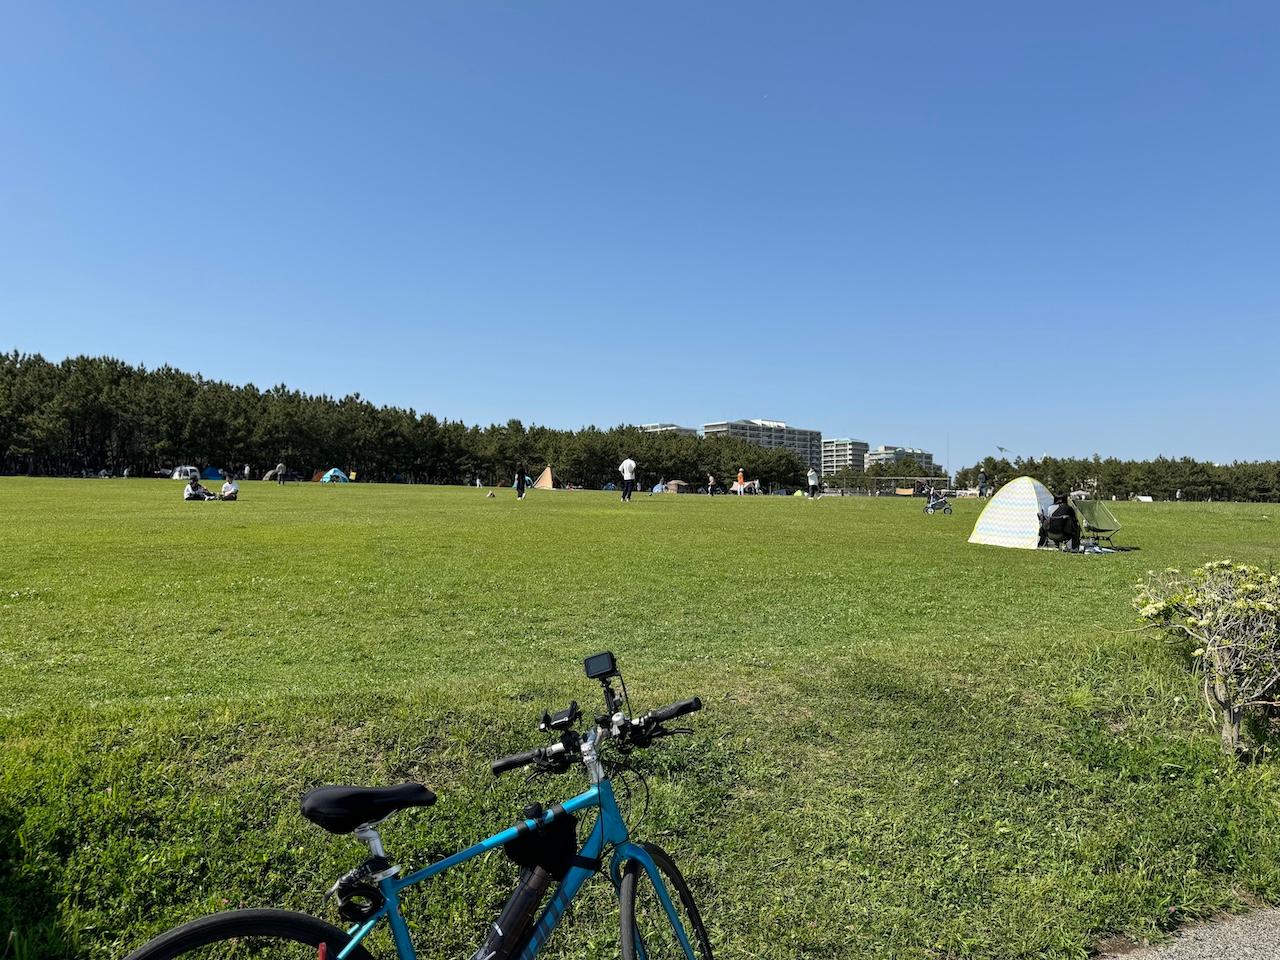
<point>654,925</point>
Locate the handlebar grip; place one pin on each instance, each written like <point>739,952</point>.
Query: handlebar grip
<point>673,710</point>
<point>515,761</point>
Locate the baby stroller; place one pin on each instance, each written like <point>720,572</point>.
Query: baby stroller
<point>935,502</point>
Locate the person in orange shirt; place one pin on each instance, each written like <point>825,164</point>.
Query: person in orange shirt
<point>742,477</point>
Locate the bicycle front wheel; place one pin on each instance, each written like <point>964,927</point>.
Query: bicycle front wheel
<point>251,935</point>
<point>648,930</point>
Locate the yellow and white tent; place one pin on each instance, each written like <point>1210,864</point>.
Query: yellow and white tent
<point>544,481</point>
<point>1012,517</point>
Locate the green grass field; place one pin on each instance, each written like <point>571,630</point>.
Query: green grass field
<point>912,747</point>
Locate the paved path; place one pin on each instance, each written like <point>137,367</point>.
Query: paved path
<point>1254,936</point>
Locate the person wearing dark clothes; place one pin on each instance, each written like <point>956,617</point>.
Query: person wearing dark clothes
<point>1060,524</point>
<point>519,481</point>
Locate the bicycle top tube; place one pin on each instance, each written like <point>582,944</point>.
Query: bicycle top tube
<point>592,797</point>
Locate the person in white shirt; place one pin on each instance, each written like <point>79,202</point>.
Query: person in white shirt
<point>230,490</point>
<point>196,492</point>
<point>628,470</point>
<point>813,483</point>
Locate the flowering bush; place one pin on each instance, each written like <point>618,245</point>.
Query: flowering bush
<point>1231,613</point>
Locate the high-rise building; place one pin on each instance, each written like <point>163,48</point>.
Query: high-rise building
<point>807,444</point>
<point>888,453</point>
<point>668,428</point>
<point>843,454</point>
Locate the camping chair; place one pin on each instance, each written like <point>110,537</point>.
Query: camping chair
<point>1096,521</point>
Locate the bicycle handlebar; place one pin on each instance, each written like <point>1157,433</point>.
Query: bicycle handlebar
<point>673,710</point>
<point>639,731</point>
<point>517,760</point>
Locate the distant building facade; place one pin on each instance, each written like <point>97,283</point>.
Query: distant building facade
<point>807,444</point>
<point>887,454</point>
<point>668,428</point>
<point>844,454</point>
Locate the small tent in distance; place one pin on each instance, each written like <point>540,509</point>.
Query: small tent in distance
<point>677,486</point>
<point>1012,517</point>
<point>212,473</point>
<point>334,476</point>
<point>545,481</point>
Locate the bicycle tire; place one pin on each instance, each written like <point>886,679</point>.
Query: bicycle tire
<point>668,947</point>
<point>210,936</point>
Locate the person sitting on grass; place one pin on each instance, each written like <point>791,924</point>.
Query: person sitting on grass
<point>195,491</point>
<point>230,490</point>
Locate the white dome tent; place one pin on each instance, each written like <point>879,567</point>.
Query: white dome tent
<point>1012,517</point>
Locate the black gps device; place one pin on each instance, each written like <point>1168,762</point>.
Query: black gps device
<point>600,665</point>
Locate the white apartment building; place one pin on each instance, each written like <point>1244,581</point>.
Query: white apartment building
<point>889,453</point>
<point>668,428</point>
<point>771,433</point>
<point>843,454</point>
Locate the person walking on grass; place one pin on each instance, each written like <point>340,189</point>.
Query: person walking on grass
<point>813,484</point>
<point>280,474</point>
<point>519,481</point>
<point>742,482</point>
<point>628,470</point>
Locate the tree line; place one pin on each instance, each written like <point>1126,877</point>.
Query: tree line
<point>1161,478</point>
<point>87,414</point>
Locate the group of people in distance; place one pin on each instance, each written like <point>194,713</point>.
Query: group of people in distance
<point>197,491</point>
<point>627,468</point>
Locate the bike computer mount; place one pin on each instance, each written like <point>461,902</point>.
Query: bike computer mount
<point>563,720</point>
<point>604,667</point>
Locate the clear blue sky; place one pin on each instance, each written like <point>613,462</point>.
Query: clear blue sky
<point>877,219</point>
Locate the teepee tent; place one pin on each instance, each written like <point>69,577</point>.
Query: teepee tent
<point>1012,516</point>
<point>545,481</point>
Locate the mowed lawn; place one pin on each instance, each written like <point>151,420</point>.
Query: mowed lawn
<point>912,747</point>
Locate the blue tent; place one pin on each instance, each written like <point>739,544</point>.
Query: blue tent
<point>334,476</point>
<point>658,488</point>
<point>212,473</point>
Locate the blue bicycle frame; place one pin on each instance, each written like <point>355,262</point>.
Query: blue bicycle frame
<point>609,828</point>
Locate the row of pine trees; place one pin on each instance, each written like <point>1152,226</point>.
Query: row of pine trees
<point>87,414</point>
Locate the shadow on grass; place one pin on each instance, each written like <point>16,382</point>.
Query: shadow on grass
<point>29,927</point>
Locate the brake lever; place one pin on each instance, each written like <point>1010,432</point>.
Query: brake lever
<point>559,765</point>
